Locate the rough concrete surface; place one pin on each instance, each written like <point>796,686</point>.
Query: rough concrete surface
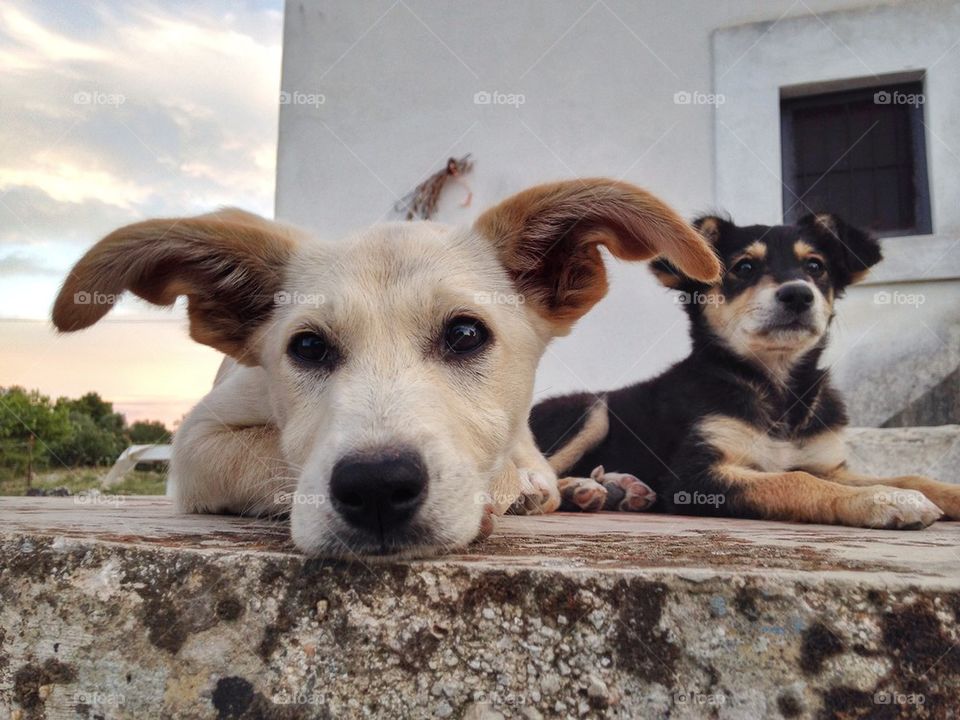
<point>930,451</point>
<point>125,610</point>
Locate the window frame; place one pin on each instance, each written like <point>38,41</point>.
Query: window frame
<point>922,214</point>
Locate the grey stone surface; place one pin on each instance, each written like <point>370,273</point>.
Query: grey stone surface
<point>127,611</point>
<point>894,353</point>
<point>930,451</point>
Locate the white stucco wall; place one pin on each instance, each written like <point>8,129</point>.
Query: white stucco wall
<point>599,81</point>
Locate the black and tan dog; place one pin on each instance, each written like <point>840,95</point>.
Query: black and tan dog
<point>747,425</point>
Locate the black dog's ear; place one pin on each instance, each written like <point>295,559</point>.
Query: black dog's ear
<point>853,252</point>
<point>712,229</point>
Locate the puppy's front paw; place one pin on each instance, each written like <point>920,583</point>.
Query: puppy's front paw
<point>625,492</point>
<point>538,493</point>
<point>583,494</point>
<point>945,496</point>
<point>890,508</point>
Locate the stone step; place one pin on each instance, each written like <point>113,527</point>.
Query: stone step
<point>930,451</point>
<point>126,610</point>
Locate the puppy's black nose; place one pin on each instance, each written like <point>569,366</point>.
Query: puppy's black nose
<point>796,296</point>
<point>380,491</point>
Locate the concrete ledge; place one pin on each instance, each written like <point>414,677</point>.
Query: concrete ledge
<point>887,452</point>
<point>128,611</point>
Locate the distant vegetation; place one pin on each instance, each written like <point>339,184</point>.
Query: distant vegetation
<point>39,436</point>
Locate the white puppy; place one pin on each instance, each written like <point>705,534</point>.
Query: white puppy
<point>378,387</point>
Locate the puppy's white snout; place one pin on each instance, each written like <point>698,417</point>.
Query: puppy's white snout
<point>796,296</point>
<point>379,491</point>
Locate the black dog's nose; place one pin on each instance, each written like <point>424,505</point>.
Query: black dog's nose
<point>379,492</point>
<point>796,296</point>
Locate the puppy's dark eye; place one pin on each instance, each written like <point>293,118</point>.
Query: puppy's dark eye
<point>464,335</point>
<point>744,268</point>
<point>310,347</point>
<point>814,267</point>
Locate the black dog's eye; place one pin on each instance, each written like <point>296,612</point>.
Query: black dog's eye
<point>744,268</point>
<point>814,267</point>
<point>310,347</point>
<point>464,335</point>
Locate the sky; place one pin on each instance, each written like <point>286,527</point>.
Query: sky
<point>110,113</point>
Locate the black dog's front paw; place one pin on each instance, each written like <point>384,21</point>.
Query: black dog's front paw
<point>606,491</point>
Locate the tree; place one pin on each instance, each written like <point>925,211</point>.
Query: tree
<point>88,443</point>
<point>25,414</point>
<point>149,432</point>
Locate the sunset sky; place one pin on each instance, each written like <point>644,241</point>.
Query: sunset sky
<point>112,112</point>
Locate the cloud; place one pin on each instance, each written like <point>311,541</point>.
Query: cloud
<point>126,114</point>
<point>19,264</point>
<point>113,112</point>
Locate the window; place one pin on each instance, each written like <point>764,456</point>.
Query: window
<point>860,154</point>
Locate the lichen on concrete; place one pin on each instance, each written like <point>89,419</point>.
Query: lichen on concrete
<point>93,628</point>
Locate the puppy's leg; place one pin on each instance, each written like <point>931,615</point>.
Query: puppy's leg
<point>537,480</point>
<point>944,495</point>
<point>800,496</point>
<point>227,455</point>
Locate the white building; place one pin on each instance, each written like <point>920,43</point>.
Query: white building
<point>695,100</point>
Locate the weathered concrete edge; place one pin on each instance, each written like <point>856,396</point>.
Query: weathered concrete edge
<point>134,630</point>
<point>572,568</point>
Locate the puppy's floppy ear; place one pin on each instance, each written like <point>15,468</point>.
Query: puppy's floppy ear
<point>852,252</point>
<point>547,238</point>
<point>229,264</point>
<point>712,228</point>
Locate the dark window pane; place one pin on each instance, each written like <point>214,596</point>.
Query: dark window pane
<point>858,154</point>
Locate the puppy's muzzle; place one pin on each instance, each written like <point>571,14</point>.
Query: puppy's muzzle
<point>796,297</point>
<point>379,492</point>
